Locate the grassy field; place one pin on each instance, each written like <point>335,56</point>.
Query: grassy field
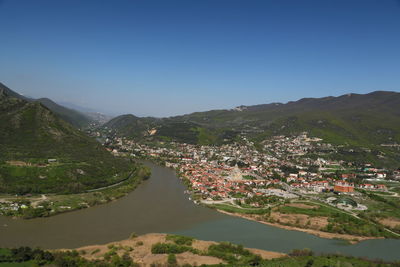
<point>340,222</point>
<point>382,207</point>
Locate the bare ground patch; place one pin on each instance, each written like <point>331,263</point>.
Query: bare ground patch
<point>390,222</point>
<point>193,259</point>
<point>300,220</point>
<point>267,255</point>
<point>351,238</point>
<point>139,249</point>
<point>18,163</point>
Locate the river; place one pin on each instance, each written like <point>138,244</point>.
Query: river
<point>159,205</point>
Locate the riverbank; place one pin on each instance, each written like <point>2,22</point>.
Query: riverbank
<point>292,221</point>
<point>33,206</point>
<point>141,250</point>
<point>159,205</point>
<point>352,239</point>
<point>173,251</point>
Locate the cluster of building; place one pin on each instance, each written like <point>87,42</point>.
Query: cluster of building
<point>238,170</point>
<point>222,182</point>
<point>11,206</point>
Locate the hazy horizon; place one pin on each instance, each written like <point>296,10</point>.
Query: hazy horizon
<point>90,109</point>
<point>165,58</point>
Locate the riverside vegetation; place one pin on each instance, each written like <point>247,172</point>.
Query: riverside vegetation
<point>48,166</point>
<point>33,205</point>
<point>173,251</point>
<point>282,184</point>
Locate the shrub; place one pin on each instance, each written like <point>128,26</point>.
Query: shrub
<point>133,235</point>
<point>172,260</point>
<point>95,251</point>
<point>180,240</point>
<point>301,252</point>
<point>164,248</point>
<point>234,254</point>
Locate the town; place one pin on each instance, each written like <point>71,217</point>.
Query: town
<point>235,172</point>
<point>283,180</point>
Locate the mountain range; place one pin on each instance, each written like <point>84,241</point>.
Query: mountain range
<point>363,121</point>
<point>360,123</point>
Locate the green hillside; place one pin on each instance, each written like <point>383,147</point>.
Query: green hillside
<point>130,125</point>
<point>31,134</point>
<point>352,120</point>
<point>355,119</point>
<point>72,116</point>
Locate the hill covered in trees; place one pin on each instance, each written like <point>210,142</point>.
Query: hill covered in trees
<point>72,116</point>
<point>42,153</point>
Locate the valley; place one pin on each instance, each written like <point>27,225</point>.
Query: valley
<point>184,133</point>
<point>48,166</point>
<point>159,205</point>
<point>297,180</point>
<point>283,184</point>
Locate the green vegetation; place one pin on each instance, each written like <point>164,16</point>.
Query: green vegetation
<point>232,209</point>
<point>382,207</point>
<point>130,125</point>
<point>58,203</point>
<point>167,248</point>
<point>172,260</point>
<point>263,200</point>
<point>62,178</point>
<point>234,254</point>
<point>390,202</point>
<point>340,222</point>
<point>319,211</point>
<point>230,253</point>
<point>180,240</point>
<point>345,224</point>
<point>30,135</point>
<point>74,117</point>
<point>42,154</point>
<point>359,123</point>
<point>27,255</point>
<point>324,261</point>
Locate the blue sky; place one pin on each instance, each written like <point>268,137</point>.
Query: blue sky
<point>162,58</point>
